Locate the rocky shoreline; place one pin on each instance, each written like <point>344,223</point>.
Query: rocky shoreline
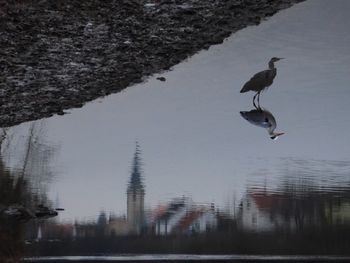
<point>57,55</point>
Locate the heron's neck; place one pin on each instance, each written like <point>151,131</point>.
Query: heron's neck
<point>271,65</point>
<point>271,130</point>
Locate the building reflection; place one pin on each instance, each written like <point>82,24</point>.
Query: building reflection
<point>292,207</point>
<point>295,211</point>
<point>264,211</point>
<point>300,216</point>
<point>178,216</point>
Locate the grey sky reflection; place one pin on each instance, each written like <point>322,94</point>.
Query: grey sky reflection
<point>193,140</point>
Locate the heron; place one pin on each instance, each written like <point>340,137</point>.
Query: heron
<point>262,118</point>
<point>261,80</point>
<point>45,212</point>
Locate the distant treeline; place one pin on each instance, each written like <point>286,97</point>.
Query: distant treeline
<point>321,241</point>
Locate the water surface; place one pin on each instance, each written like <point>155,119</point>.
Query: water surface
<point>194,144</point>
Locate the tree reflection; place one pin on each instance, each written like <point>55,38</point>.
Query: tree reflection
<point>11,231</point>
<point>25,172</point>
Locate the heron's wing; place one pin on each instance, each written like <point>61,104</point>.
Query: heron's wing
<point>259,81</point>
<point>257,118</point>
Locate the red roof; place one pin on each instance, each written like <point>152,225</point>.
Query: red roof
<point>266,200</point>
<point>158,212</point>
<point>188,219</point>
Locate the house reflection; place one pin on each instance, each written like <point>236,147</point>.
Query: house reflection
<point>183,216</point>
<point>289,207</point>
<point>263,211</point>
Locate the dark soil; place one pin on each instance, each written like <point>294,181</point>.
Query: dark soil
<point>59,54</point>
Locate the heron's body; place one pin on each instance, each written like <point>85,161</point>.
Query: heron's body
<point>45,212</point>
<point>262,118</point>
<point>261,80</point>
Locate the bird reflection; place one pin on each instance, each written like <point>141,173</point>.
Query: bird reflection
<point>262,118</point>
<point>261,80</point>
<point>21,213</point>
<point>45,212</point>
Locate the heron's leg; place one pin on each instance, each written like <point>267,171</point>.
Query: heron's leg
<point>256,107</point>
<point>254,100</point>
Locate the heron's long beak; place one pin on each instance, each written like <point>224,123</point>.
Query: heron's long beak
<point>276,135</point>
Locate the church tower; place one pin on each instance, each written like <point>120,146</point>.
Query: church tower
<point>135,196</point>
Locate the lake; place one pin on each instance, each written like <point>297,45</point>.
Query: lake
<point>175,167</point>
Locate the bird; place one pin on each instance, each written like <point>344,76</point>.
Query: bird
<point>45,212</point>
<point>262,118</point>
<point>261,80</point>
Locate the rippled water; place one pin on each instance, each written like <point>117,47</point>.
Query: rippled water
<point>199,159</point>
